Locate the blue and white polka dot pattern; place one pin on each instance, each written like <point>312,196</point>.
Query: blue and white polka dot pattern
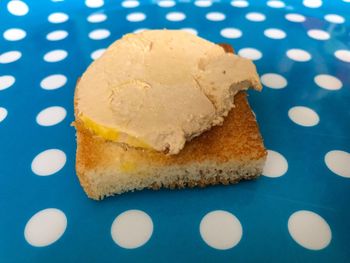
<point>298,207</point>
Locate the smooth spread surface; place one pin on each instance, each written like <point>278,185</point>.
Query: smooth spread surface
<point>160,88</point>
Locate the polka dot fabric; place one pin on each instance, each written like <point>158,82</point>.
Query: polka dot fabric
<point>299,207</point>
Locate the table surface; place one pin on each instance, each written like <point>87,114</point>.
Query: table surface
<point>297,212</point>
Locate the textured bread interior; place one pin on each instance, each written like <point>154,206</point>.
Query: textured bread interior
<point>223,155</point>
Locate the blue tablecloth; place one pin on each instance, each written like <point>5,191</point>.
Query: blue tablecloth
<point>297,212</point>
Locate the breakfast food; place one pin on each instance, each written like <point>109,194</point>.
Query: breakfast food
<point>164,108</point>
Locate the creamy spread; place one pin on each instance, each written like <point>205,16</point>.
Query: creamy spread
<point>160,88</point>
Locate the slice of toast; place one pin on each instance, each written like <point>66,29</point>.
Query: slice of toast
<point>223,155</point>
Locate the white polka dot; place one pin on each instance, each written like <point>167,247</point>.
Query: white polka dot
<point>3,114</point>
<point>132,229</point>
<point>166,3</point>
<point>203,3</point>
<point>94,3</point>
<point>312,3</point>
<point>53,82</point>
<point>250,53</point>
<point>57,35</point>
<point>55,55</point>
<point>231,33</point>
<point>10,56</point>
<point>48,162</point>
<point>276,4</point>
<point>215,16</point>
<point>328,82</point>
<point>276,165</point>
<point>175,16</point>
<point>45,227</point>
<point>57,18</point>
<point>333,18</point>
<point>297,18</point>
<point>14,34</point>
<point>298,55</point>
<point>273,81</point>
<point>190,30</point>
<point>318,34</point>
<point>136,17</point>
<point>139,30</point>
<point>6,81</point>
<point>99,34</point>
<point>220,229</point>
<point>309,230</point>
<point>96,18</point>
<point>343,55</point>
<point>255,17</point>
<point>17,8</point>
<point>239,3</point>
<point>338,162</point>
<point>275,33</point>
<point>130,4</point>
<point>303,116</point>
<point>97,53</point>
<point>51,116</point>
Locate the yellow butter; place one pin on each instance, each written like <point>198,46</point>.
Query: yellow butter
<point>127,167</point>
<point>112,134</point>
<point>103,131</point>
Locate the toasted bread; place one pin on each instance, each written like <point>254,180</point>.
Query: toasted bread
<point>223,155</point>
